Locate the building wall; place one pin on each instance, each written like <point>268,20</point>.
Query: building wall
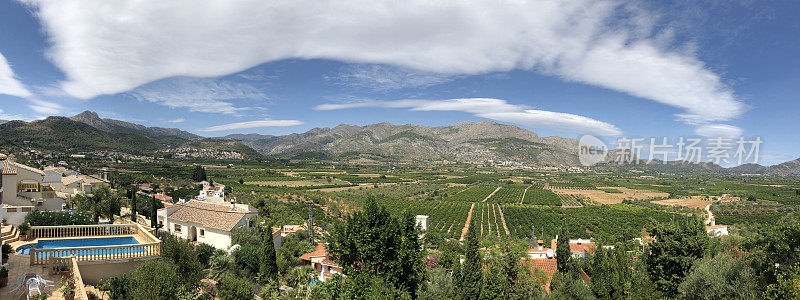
<point>94,274</point>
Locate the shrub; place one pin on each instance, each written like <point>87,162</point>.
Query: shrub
<point>204,252</point>
<point>57,218</point>
<point>234,288</point>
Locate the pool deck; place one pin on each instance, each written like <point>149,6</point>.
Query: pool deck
<point>19,264</point>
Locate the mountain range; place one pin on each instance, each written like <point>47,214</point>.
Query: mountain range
<point>462,142</point>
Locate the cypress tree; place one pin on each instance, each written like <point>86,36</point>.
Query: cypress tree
<point>153,212</point>
<point>133,207</point>
<point>472,273</point>
<point>269,266</point>
<point>562,251</point>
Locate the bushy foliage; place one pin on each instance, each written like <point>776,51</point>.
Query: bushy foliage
<point>720,277</point>
<point>234,288</point>
<point>57,218</point>
<point>678,245</point>
<point>377,243</point>
<point>248,258</point>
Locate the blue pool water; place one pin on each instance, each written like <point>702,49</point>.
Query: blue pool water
<point>85,242</point>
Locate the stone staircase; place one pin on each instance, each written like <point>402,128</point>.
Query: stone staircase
<point>9,234</point>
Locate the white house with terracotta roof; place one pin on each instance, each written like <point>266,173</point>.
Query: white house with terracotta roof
<point>715,230</point>
<point>320,261</point>
<point>204,222</point>
<point>23,189</point>
<point>211,193</point>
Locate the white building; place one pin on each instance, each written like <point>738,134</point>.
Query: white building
<point>422,222</point>
<point>715,230</point>
<point>212,193</point>
<point>23,189</point>
<point>204,222</point>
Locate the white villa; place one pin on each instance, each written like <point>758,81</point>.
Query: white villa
<point>715,230</point>
<point>205,222</point>
<point>211,193</point>
<point>24,189</point>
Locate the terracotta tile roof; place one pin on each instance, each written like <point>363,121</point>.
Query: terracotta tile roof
<point>217,216</point>
<point>548,265</point>
<point>24,167</point>
<point>582,247</point>
<point>329,262</point>
<point>67,180</point>
<point>9,170</point>
<point>319,252</point>
<point>715,226</point>
<point>163,197</point>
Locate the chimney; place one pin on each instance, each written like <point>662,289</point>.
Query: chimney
<point>713,222</point>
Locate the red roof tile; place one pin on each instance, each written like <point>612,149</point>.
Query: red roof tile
<point>548,265</point>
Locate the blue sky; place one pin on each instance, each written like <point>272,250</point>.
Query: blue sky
<point>608,68</point>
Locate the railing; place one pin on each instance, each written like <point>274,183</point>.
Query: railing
<point>81,230</point>
<point>77,280</point>
<point>93,253</point>
<point>151,246</point>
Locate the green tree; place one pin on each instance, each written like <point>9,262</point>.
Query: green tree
<point>569,286</point>
<point>439,286</point>
<point>375,242</point>
<point>786,286</point>
<point>677,246</point>
<point>153,212</point>
<point>470,282</point>
<point>269,265</point>
<point>133,206</point>
<point>248,258</point>
<point>721,277</point>
<point>611,274</point>
<point>562,251</point>
<point>199,173</point>
<point>155,279</point>
<point>235,288</point>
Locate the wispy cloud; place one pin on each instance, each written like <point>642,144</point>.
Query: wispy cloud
<point>199,94</point>
<point>254,124</point>
<point>495,109</point>
<point>384,78</point>
<point>599,42</point>
<point>9,84</point>
<point>45,107</point>
<point>178,120</point>
<point>718,130</point>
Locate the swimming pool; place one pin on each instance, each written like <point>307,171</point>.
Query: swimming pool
<point>83,242</point>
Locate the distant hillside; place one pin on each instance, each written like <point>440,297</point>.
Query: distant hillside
<point>115,126</point>
<point>65,135</point>
<point>466,141</point>
<point>789,168</point>
<point>86,132</point>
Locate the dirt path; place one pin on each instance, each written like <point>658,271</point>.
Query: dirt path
<point>490,195</point>
<point>710,214</point>
<point>466,226</point>
<point>523,197</point>
<point>503,218</point>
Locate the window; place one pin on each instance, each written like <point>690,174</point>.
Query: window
<point>178,227</point>
<point>39,203</point>
<point>202,232</point>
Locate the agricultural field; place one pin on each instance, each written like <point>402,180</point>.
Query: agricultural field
<point>538,196</point>
<point>691,202</point>
<point>607,223</point>
<point>488,218</point>
<point>472,194</point>
<point>509,194</point>
<point>298,183</point>
<point>603,197</point>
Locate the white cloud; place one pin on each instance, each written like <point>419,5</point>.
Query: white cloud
<point>718,130</point>
<point>107,47</point>
<point>254,124</point>
<point>495,109</point>
<point>9,84</point>
<point>383,77</point>
<point>178,120</point>
<point>198,94</point>
<point>45,107</point>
